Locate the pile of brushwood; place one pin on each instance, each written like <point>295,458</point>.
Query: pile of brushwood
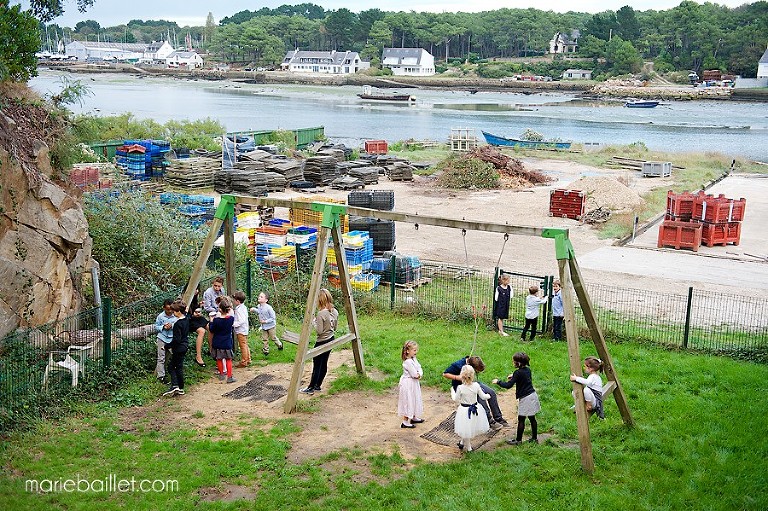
<point>487,167</point>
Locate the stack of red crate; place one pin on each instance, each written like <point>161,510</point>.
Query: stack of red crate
<point>720,219</point>
<point>716,219</point>
<point>567,203</point>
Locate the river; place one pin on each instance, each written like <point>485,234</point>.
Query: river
<point>728,127</point>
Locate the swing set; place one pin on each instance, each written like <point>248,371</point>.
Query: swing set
<point>330,228</point>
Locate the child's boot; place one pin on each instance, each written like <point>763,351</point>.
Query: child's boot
<point>279,344</point>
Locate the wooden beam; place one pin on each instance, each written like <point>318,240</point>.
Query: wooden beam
<point>608,388</point>
<point>202,258</point>
<point>309,311</point>
<point>349,301</point>
<point>328,346</point>
<point>599,341</point>
<point>574,361</point>
<point>229,254</point>
<point>291,337</point>
<point>412,218</point>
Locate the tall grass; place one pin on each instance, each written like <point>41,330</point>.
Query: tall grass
<point>698,444</point>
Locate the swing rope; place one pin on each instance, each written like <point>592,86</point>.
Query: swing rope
<point>471,291</point>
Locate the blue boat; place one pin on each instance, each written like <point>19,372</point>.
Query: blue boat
<point>637,103</point>
<point>496,140</point>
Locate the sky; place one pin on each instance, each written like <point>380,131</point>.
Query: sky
<point>194,12</point>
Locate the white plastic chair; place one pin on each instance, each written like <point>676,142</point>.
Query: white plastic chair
<point>68,363</point>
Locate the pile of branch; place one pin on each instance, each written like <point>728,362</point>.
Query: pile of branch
<point>509,167</point>
<point>596,216</point>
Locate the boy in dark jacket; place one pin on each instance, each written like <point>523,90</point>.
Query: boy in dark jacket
<point>178,346</point>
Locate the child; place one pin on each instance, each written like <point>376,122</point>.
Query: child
<point>164,328</point>
<point>501,300</point>
<point>210,305</point>
<point>198,323</point>
<point>178,346</point>
<point>528,400</point>
<point>220,327</point>
<point>532,302</point>
<point>468,423</point>
<point>593,386</point>
<point>557,311</point>
<point>241,328</point>
<point>325,326</point>
<point>268,321</point>
<point>409,403</point>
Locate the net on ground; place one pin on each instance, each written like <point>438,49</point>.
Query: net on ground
<point>443,434</point>
<point>258,389</point>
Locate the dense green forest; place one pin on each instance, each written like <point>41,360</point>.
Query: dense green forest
<point>690,36</point>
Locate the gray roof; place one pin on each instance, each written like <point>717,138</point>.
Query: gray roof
<point>183,54</point>
<point>764,58</point>
<point>403,53</point>
<point>113,46</point>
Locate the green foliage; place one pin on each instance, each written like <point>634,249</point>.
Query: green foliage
<point>467,172</point>
<point>192,134</point>
<point>143,248</point>
<point>18,43</point>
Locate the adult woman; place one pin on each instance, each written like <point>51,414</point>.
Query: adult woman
<point>325,325</point>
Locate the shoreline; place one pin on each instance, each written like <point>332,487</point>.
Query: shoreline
<point>590,89</point>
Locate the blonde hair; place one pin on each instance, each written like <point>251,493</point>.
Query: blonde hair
<point>407,346</point>
<point>467,374</point>
<point>325,300</point>
<point>505,277</point>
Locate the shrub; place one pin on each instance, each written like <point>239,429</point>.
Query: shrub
<point>464,172</point>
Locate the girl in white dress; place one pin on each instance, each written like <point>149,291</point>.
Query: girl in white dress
<point>593,386</point>
<point>409,403</point>
<point>469,423</point>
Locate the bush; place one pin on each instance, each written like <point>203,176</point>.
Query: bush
<point>143,248</point>
<point>464,172</point>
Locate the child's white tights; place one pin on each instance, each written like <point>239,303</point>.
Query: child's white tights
<point>467,444</point>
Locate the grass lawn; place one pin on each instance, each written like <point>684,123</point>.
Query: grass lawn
<point>700,442</point>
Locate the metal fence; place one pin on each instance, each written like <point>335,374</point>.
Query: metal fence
<point>37,363</point>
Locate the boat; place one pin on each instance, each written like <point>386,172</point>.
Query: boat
<point>641,103</point>
<point>496,140</point>
<point>369,94</point>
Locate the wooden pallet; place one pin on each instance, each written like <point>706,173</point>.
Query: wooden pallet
<point>409,285</point>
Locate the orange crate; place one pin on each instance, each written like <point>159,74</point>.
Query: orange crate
<point>720,234</point>
<point>376,146</point>
<point>679,235</point>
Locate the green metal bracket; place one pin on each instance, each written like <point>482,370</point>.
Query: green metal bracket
<point>331,213</point>
<point>563,247</point>
<point>226,207</point>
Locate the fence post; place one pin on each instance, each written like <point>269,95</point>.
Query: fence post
<point>106,311</point>
<point>248,279</point>
<point>687,330</point>
<point>393,277</point>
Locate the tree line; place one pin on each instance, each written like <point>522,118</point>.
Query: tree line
<point>687,37</point>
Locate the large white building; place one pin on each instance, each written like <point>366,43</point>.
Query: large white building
<point>95,50</point>
<point>327,62</point>
<point>762,65</point>
<point>188,59</point>
<point>564,43</point>
<point>408,61</point>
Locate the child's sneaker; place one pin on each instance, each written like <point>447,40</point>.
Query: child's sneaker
<point>231,379</point>
<point>179,392</point>
<point>512,441</point>
<point>222,377</point>
<point>307,390</point>
<point>171,391</point>
<point>533,441</point>
<point>279,344</point>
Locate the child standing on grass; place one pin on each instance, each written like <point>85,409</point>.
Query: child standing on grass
<point>325,322</point>
<point>532,303</point>
<point>268,320</point>
<point>527,399</point>
<point>241,328</point>
<point>501,300</point>
<point>178,345</point>
<point>409,404</point>
<point>593,386</point>
<point>469,423</point>
<point>558,312</point>
<point>223,344</point>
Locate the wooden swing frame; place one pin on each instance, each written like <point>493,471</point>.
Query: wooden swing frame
<point>330,227</point>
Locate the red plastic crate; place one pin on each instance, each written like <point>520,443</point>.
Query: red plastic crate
<point>680,205</point>
<point>679,235</point>
<point>720,209</point>
<point>720,234</point>
<point>567,203</point>
<point>376,146</point>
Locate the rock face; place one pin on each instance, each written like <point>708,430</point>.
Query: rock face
<point>44,243</point>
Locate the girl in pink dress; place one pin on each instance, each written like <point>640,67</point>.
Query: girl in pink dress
<point>409,404</point>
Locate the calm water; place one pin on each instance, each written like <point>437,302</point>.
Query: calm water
<point>733,128</point>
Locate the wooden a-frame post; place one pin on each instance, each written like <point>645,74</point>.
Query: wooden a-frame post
<point>570,280</point>
<point>330,225</point>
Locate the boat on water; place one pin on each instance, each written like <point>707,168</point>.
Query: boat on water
<point>641,103</point>
<point>496,140</point>
<point>369,94</point>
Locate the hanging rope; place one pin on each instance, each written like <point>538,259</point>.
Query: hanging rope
<point>506,238</point>
<point>471,290</point>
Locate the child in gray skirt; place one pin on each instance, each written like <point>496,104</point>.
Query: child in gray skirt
<point>528,401</point>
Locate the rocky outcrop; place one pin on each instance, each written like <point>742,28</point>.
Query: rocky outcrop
<point>44,241</point>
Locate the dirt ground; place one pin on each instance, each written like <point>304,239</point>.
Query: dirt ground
<point>325,422</point>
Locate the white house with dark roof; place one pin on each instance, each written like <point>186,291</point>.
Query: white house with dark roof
<point>577,74</point>
<point>408,61</point>
<point>564,43</point>
<point>326,62</point>
<point>188,59</point>
<point>762,65</point>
